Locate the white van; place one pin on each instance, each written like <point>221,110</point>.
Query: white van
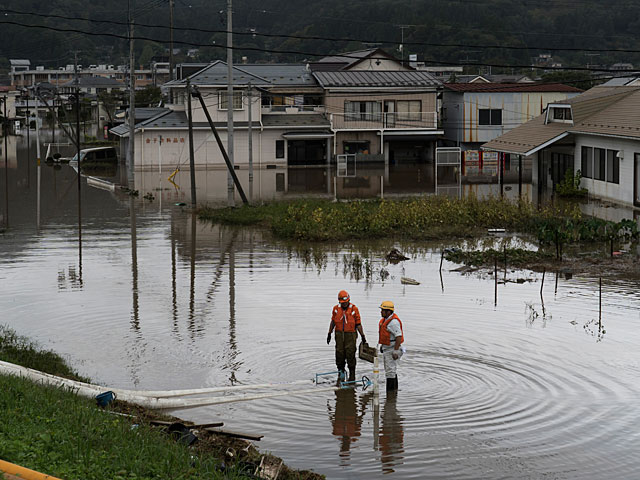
<point>97,155</point>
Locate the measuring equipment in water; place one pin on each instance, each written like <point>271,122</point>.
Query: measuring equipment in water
<point>364,382</point>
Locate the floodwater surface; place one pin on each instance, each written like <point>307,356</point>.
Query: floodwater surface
<point>151,298</point>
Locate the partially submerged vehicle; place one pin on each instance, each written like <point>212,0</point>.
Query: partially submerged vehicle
<point>97,156</point>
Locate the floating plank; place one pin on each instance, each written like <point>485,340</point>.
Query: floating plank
<point>409,281</point>
<point>164,423</point>
<point>229,433</point>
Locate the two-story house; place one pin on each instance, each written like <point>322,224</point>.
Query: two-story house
<point>596,133</point>
<point>288,127</point>
<point>390,114</point>
<point>475,113</point>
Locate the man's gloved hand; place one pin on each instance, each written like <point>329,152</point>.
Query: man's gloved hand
<point>328,338</point>
<point>364,340</point>
<point>381,349</point>
<point>394,355</point>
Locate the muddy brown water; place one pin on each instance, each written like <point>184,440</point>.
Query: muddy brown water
<point>155,300</point>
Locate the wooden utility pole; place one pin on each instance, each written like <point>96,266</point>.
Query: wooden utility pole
<point>230,190</point>
<point>192,163</point>
<point>250,102</point>
<point>132,96</point>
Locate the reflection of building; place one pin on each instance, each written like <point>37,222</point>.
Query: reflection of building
<point>211,186</point>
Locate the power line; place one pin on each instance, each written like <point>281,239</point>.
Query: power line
<point>295,52</point>
<point>336,39</point>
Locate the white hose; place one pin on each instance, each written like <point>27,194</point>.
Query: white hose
<point>154,399</point>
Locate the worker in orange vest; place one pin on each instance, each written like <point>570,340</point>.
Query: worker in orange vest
<point>391,337</point>
<point>345,320</point>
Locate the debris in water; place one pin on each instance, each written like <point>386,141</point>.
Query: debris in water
<point>394,256</point>
<point>408,281</point>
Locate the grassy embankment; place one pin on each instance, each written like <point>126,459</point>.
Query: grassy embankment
<point>432,218</point>
<point>57,432</point>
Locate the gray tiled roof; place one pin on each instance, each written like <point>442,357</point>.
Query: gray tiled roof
<point>94,82</point>
<point>260,74</point>
<point>370,78</point>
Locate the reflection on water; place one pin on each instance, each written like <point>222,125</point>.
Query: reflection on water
<point>392,435</point>
<point>535,386</point>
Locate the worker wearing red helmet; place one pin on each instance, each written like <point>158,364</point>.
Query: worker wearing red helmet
<point>345,320</point>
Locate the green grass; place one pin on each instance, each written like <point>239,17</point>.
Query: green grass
<point>56,432</point>
<point>426,218</point>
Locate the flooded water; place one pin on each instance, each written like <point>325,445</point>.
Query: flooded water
<point>530,387</point>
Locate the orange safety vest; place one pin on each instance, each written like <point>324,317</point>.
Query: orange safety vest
<point>384,337</point>
<point>346,320</point>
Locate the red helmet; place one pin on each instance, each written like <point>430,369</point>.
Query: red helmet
<point>343,296</point>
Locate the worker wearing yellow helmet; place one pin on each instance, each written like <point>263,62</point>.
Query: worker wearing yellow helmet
<point>390,337</point>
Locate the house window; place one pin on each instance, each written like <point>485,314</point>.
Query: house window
<point>599,164</point>
<point>490,116</point>
<point>223,100</point>
<point>363,111</point>
<point>613,166</point>
<point>409,109</point>
<point>561,113</point>
<point>586,164</point>
<point>279,148</point>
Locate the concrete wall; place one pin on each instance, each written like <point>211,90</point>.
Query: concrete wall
<point>153,154</point>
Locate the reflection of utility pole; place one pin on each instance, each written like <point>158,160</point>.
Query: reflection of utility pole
<point>250,144</point>
<point>135,321</point>
<point>232,310</point>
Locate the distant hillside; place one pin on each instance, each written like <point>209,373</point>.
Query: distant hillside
<point>436,30</point>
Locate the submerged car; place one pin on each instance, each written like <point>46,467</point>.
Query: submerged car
<point>97,155</point>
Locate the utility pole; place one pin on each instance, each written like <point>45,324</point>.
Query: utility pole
<point>170,39</point>
<point>250,144</point>
<point>230,190</point>
<point>192,163</point>
<point>77,82</point>
<point>132,96</point>
<point>5,134</point>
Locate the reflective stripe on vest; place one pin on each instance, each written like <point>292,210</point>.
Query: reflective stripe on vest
<point>345,320</point>
<point>384,337</point>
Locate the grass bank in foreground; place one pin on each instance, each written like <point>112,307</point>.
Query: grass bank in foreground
<point>57,432</point>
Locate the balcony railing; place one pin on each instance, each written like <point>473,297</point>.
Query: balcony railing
<point>292,108</point>
<point>384,121</point>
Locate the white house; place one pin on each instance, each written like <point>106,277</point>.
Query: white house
<point>597,133</point>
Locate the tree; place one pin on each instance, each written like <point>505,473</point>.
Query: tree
<point>148,96</point>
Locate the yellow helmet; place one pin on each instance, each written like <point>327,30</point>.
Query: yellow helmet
<point>387,305</point>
